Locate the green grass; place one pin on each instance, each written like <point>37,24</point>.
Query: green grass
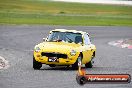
<point>60,13</point>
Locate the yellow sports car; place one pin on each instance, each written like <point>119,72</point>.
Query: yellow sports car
<point>64,48</point>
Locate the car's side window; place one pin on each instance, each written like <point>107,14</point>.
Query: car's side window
<point>86,39</point>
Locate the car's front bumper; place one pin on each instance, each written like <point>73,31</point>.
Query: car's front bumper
<point>61,61</point>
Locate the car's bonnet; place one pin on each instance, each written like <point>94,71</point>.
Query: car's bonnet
<point>60,47</point>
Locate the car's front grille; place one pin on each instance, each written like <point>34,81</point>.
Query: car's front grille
<point>58,55</point>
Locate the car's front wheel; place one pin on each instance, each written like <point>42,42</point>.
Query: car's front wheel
<point>75,65</point>
<point>36,65</point>
<point>89,64</point>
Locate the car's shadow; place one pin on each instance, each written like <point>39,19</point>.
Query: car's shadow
<point>58,68</point>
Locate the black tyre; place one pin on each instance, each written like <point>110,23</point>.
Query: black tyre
<point>36,65</point>
<point>89,65</point>
<point>75,65</point>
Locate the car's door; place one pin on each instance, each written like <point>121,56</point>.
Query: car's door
<point>87,54</point>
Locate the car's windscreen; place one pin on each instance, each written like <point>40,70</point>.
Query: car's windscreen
<point>65,37</point>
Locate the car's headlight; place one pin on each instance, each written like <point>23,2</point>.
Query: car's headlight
<point>36,49</point>
<point>73,52</point>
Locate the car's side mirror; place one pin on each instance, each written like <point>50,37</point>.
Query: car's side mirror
<point>90,39</point>
<point>80,43</point>
<point>44,39</point>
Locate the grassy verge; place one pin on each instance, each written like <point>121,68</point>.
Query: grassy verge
<point>60,13</point>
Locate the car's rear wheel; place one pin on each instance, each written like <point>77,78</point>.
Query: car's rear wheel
<point>75,65</point>
<point>36,65</point>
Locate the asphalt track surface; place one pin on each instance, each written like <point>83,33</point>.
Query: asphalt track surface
<point>17,43</point>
